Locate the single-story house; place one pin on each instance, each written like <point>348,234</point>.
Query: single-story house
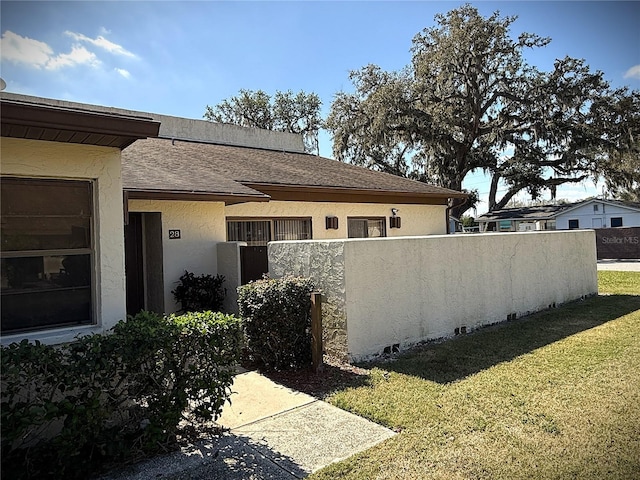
<point>153,196</point>
<point>213,193</point>
<point>591,213</point>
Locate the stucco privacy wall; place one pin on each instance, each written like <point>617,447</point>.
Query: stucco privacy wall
<point>416,219</point>
<point>35,158</point>
<point>201,226</point>
<point>230,268</point>
<point>401,291</point>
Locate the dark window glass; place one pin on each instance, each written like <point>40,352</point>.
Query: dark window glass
<point>574,224</point>
<point>616,222</point>
<point>365,227</point>
<point>45,215</point>
<point>46,266</point>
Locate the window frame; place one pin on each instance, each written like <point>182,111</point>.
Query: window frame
<point>90,250</point>
<point>616,218</point>
<point>272,227</point>
<point>577,224</point>
<point>377,219</point>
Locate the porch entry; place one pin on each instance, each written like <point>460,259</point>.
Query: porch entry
<point>257,233</point>
<point>143,262</point>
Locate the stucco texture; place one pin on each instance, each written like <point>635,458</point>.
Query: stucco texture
<point>416,219</point>
<point>201,225</point>
<point>40,159</point>
<point>401,291</point>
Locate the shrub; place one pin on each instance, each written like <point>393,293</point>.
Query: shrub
<point>276,316</point>
<point>68,410</point>
<point>199,293</point>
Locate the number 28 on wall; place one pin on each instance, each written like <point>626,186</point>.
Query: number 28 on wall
<point>174,234</point>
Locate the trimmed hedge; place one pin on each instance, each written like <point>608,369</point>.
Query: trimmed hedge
<point>68,410</point>
<point>276,316</point>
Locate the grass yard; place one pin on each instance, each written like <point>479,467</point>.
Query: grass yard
<point>554,395</point>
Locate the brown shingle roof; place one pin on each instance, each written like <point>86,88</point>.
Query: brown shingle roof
<point>155,168</point>
<point>162,165</point>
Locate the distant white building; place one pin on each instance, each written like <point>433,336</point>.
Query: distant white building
<point>592,213</point>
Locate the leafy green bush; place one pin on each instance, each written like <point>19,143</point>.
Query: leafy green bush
<point>276,316</point>
<point>199,293</point>
<point>68,410</point>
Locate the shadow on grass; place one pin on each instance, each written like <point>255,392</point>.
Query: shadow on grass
<point>455,359</point>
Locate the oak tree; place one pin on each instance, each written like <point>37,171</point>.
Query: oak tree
<point>469,101</point>
<point>284,112</point>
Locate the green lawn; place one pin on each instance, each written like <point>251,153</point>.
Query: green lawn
<point>555,395</point>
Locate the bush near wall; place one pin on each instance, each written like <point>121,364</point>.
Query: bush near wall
<point>197,293</point>
<point>276,316</point>
<point>68,410</point>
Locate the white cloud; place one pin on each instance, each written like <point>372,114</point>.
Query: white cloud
<point>78,56</point>
<point>633,72</point>
<point>18,49</point>
<point>123,72</point>
<point>103,43</point>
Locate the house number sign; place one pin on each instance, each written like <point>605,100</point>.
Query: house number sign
<point>174,234</point>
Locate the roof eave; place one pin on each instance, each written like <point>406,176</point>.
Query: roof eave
<point>51,123</point>
<point>514,219</point>
<point>227,198</point>
<point>307,193</point>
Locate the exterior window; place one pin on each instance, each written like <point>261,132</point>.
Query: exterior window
<point>595,208</point>
<point>573,224</point>
<point>47,254</point>
<point>366,227</point>
<point>505,225</point>
<point>259,232</point>
<point>292,229</point>
<point>255,233</point>
<point>616,221</point>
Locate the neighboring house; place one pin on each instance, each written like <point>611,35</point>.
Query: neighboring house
<point>592,213</point>
<point>187,195</point>
<point>62,248</point>
<point>597,213</point>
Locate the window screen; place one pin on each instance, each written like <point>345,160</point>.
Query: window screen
<point>287,229</point>
<point>255,233</point>
<point>259,232</point>
<point>366,227</point>
<point>47,256</point>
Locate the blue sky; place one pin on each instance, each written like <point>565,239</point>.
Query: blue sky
<point>175,58</point>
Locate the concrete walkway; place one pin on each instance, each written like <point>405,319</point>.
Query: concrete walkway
<point>274,433</point>
<point>619,265</point>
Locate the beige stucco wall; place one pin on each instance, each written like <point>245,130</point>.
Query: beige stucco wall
<point>202,226</point>
<point>383,292</point>
<point>229,266</point>
<point>416,219</point>
<point>34,158</point>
